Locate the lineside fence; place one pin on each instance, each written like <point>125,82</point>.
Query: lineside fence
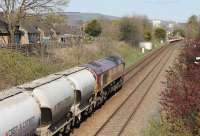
<point>36,48</point>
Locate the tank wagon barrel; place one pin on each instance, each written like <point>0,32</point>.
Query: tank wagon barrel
<point>57,103</point>
<point>19,113</point>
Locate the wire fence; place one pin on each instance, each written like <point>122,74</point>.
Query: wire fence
<point>40,49</point>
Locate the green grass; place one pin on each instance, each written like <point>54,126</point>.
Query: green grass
<point>157,127</point>
<point>15,68</point>
<point>131,55</point>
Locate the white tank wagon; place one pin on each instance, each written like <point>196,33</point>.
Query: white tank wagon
<point>19,113</point>
<point>84,85</point>
<point>55,99</point>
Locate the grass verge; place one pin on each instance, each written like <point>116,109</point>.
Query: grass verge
<point>16,68</point>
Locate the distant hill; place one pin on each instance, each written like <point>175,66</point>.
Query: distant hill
<point>74,18</point>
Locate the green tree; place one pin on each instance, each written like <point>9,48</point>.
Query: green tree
<point>147,29</point>
<point>93,28</point>
<point>135,29</point>
<point>15,11</point>
<point>179,32</point>
<point>160,34</point>
<point>130,30</point>
<point>147,36</point>
<point>193,27</point>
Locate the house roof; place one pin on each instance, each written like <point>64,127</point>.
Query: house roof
<point>31,24</point>
<point>29,27</point>
<point>63,29</point>
<point>3,24</point>
<point>47,29</point>
<point>1,16</point>
<point>3,27</point>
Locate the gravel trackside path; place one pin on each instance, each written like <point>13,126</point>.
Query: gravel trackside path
<point>150,105</point>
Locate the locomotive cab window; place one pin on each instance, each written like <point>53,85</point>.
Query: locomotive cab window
<point>105,78</point>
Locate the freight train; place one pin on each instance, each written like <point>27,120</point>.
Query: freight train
<point>53,105</point>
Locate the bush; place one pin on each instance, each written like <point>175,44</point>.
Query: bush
<point>179,32</point>
<point>193,27</point>
<point>160,34</point>
<point>93,28</point>
<point>15,68</point>
<point>181,99</point>
<point>131,31</point>
<point>157,127</point>
<point>135,29</point>
<point>147,36</point>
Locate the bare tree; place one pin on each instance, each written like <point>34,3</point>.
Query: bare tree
<point>14,11</point>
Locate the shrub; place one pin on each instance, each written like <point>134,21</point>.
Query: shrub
<point>131,29</point>
<point>179,32</point>
<point>15,68</point>
<point>192,27</point>
<point>181,99</point>
<point>157,127</point>
<point>93,28</point>
<point>147,36</point>
<point>160,34</point>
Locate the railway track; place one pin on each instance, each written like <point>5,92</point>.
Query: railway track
<point>136,68</point>
<point>118,121</point>
<point>134,75</point>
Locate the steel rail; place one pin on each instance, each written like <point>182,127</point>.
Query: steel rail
<point>148,59</point>
<point>144,96</point>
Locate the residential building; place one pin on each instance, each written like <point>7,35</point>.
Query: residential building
<point>156,23</point>
<point>33,32</point>
<point>4,36</point>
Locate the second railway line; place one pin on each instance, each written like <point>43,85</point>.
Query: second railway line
<point>121,117</point>
<point>152,61</point>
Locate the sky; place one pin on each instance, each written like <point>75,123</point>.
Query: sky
<point>172,10</point>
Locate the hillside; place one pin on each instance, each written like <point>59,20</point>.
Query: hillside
<point>74,18</point>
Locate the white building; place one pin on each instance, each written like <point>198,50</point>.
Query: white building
<point>156,23</point>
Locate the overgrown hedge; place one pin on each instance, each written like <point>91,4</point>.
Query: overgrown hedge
<point>180,101</point>
<point>15,68</point>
